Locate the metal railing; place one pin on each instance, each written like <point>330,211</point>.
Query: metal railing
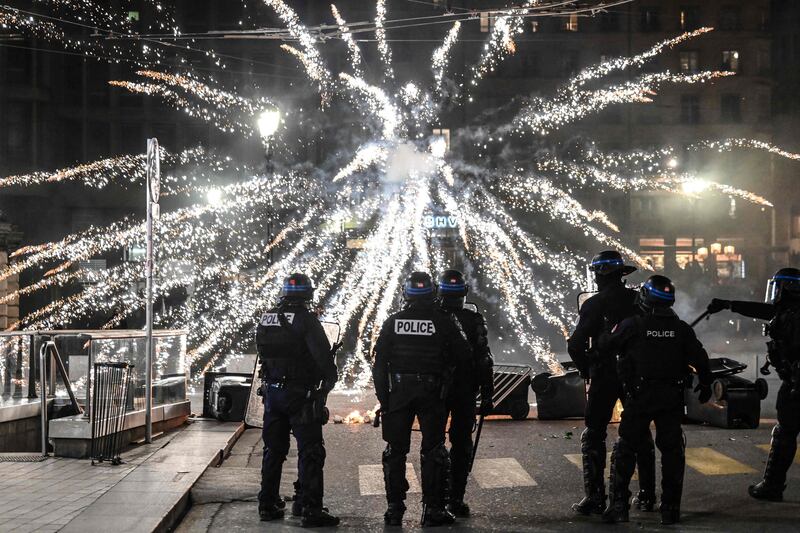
<point>111,383</point>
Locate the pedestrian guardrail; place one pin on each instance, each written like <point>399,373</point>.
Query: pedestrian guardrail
<point>111,383</point>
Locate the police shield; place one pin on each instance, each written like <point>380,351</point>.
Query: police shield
<point>254,416</point>
<point>582,297</point>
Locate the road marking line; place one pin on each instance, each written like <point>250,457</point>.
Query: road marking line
<point>713,463</point>
<point>501,473</point>
<point>577,460</point>
<point>370,480</point>
<point>766,447</point>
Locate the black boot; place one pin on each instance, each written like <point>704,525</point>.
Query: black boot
<point>670,514</point>
<point>764,491</point>
<point>645,501</point>
<point>618,509</point>
<point>593,452</point>
<point>593,483</point>
<point>781,455</point>
<point>318,518</point>
<point>590,505</point>
<point>458,509</point>
<point>394,514</point>
<point>619,496</point>
<point>268,512</point>
<point>433,516</point>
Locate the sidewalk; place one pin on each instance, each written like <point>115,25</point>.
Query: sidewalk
<point>147,493</point>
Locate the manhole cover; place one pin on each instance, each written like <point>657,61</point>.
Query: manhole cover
<point>21,457</point>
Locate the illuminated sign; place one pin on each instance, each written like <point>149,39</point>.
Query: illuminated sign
<point>440,221</point>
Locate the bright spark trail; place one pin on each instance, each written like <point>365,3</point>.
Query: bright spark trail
<point>397,186</point>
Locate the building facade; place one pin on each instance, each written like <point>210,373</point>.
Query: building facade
<point>57,109</point>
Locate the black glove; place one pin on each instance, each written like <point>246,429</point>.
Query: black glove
<point>321,413</point>
<point>487,406</point>
<point>718,305</point>
<point>705,392</point>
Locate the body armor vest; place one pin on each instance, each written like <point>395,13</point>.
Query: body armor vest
<point>282,350</point>
<point>417,344</point>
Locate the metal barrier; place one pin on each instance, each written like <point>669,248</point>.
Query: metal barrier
<point>109,404</point>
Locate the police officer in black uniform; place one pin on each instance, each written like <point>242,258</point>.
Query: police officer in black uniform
<point>415,354</point>
<point>472,375</point>
<point>656,350</point>
<point>612,303</point>
<point>298,370</point>
<point>783,312</point>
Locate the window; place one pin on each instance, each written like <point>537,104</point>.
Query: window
<point>530,64</point>
<point>569,62</point>
<point>689,18</point>
<point>730,60</point>
<point>445,134</point>
<point>763,64</point>
<point>690,109</point>
<point>764,101</point>
<point>795,229</point>
<point>731,108</point>
<point>19,132</point>
<point>730,18</point>
<point>609,21</point>
<point>690,62</point>
<point>571,23</point>
<point>650,20</point>
<point>487,21</point>
<point>99,137</point>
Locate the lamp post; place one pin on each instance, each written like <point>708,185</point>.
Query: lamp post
<point>152,187</point>
<point>268,122</point>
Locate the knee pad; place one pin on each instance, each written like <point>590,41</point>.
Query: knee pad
<point>393,452</point>
<point>438,454</point>
<point>314,452</point>
<point>779,432</point>
<point>592,436</point>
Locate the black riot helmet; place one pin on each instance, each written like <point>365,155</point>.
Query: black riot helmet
<point>784,286</point>
<point>453,289</point>
<point>297,287</point>
<point>419,287</point>
<point>610,262</point>
<point>657,292</point>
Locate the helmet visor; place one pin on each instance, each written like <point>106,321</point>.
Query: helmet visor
<point>781,283</point>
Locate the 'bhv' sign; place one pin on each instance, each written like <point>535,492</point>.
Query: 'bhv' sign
<point>437,221</point>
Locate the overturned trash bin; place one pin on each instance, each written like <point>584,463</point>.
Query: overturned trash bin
<point>736,403</point>
<point>225,395</point>
<point>559,397</point>
<point>511,383</point>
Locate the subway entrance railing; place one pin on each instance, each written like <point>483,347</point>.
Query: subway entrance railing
<point>46,385</point>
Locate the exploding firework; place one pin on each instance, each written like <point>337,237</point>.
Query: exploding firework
<point>400,186</point>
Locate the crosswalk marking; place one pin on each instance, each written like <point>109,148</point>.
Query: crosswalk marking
<point>370,480</point>
<point>577,460</point>
<point>501,473</point>
<point>766,447</point>
<point>713,463</point>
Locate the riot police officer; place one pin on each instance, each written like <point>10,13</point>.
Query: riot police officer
<point>298,371</point>
<point>416,350</point>
<point>470,376</point>
<point>612,303</point>
<point>656,350</point>
<point>783,312</point>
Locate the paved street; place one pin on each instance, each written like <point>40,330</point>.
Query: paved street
<point>526,476</point>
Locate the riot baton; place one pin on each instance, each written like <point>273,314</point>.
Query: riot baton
<point>697,320</point>
<point>477,440</point>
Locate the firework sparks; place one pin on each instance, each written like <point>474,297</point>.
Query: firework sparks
<point>402,173</point>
